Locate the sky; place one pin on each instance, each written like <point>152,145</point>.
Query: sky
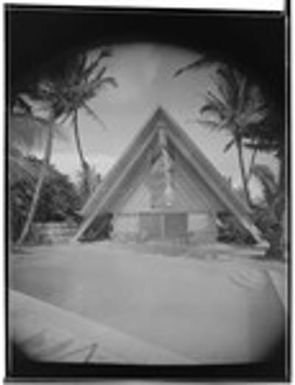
<point>145,76</point>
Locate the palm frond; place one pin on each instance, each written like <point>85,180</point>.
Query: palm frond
<point>209,123</point>
<point>214,109</point>
<point>89,69</point>
<point>220,104</point>
<point>94,115</point>
<point>241,94</point>
<point>228,84</point>
<point>73,70</point>
<point>105,52</point>
<point>267,179</point>
<point>229,145</point>
<point>111,81</point>
<point>200,63</point>
<point>254,118</point>
<point>29,131</point>
<point>97,85</point>
<point>23,104</point>
<point>25,131</point>
<point>254,101</point>
<point>99,74</point>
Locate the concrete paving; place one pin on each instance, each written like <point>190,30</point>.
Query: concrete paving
<point>205,311</point>
<point>48,333</point>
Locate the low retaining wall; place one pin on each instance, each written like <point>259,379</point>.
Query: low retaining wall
<point>53,232</point>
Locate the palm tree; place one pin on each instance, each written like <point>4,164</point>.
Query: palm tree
<point>70,90</point>
<point>237,107</point>
<point>63,93</point>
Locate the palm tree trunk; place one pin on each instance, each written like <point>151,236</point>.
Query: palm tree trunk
<point>252,163</point>
<point>84,163</point>
<point>243,170</point>
<point>37,192</point>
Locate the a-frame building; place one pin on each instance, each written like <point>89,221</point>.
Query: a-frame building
<point>163,187</point>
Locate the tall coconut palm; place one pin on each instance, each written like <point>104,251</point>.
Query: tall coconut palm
<point>237,107</point>
<point>63,92</point>
<point>70,90</point>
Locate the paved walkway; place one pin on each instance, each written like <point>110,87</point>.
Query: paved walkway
<point>204,311</point>
<point>49,333</point>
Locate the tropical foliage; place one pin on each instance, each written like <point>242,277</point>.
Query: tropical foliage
<point>269,212</point>
<point>229,231</point>
<point>237,107</point>
<point>58,200</point>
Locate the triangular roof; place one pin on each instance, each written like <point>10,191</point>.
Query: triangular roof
<point>115,178</point>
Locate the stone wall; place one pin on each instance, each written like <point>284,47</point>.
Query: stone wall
<point>52,232</point>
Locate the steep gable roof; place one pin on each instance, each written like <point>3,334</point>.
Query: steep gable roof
<point>189,150</point>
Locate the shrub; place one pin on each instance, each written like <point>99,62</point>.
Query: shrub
<point>58,200</point>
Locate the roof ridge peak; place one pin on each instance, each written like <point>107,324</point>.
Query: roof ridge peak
<point>160,109</point>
